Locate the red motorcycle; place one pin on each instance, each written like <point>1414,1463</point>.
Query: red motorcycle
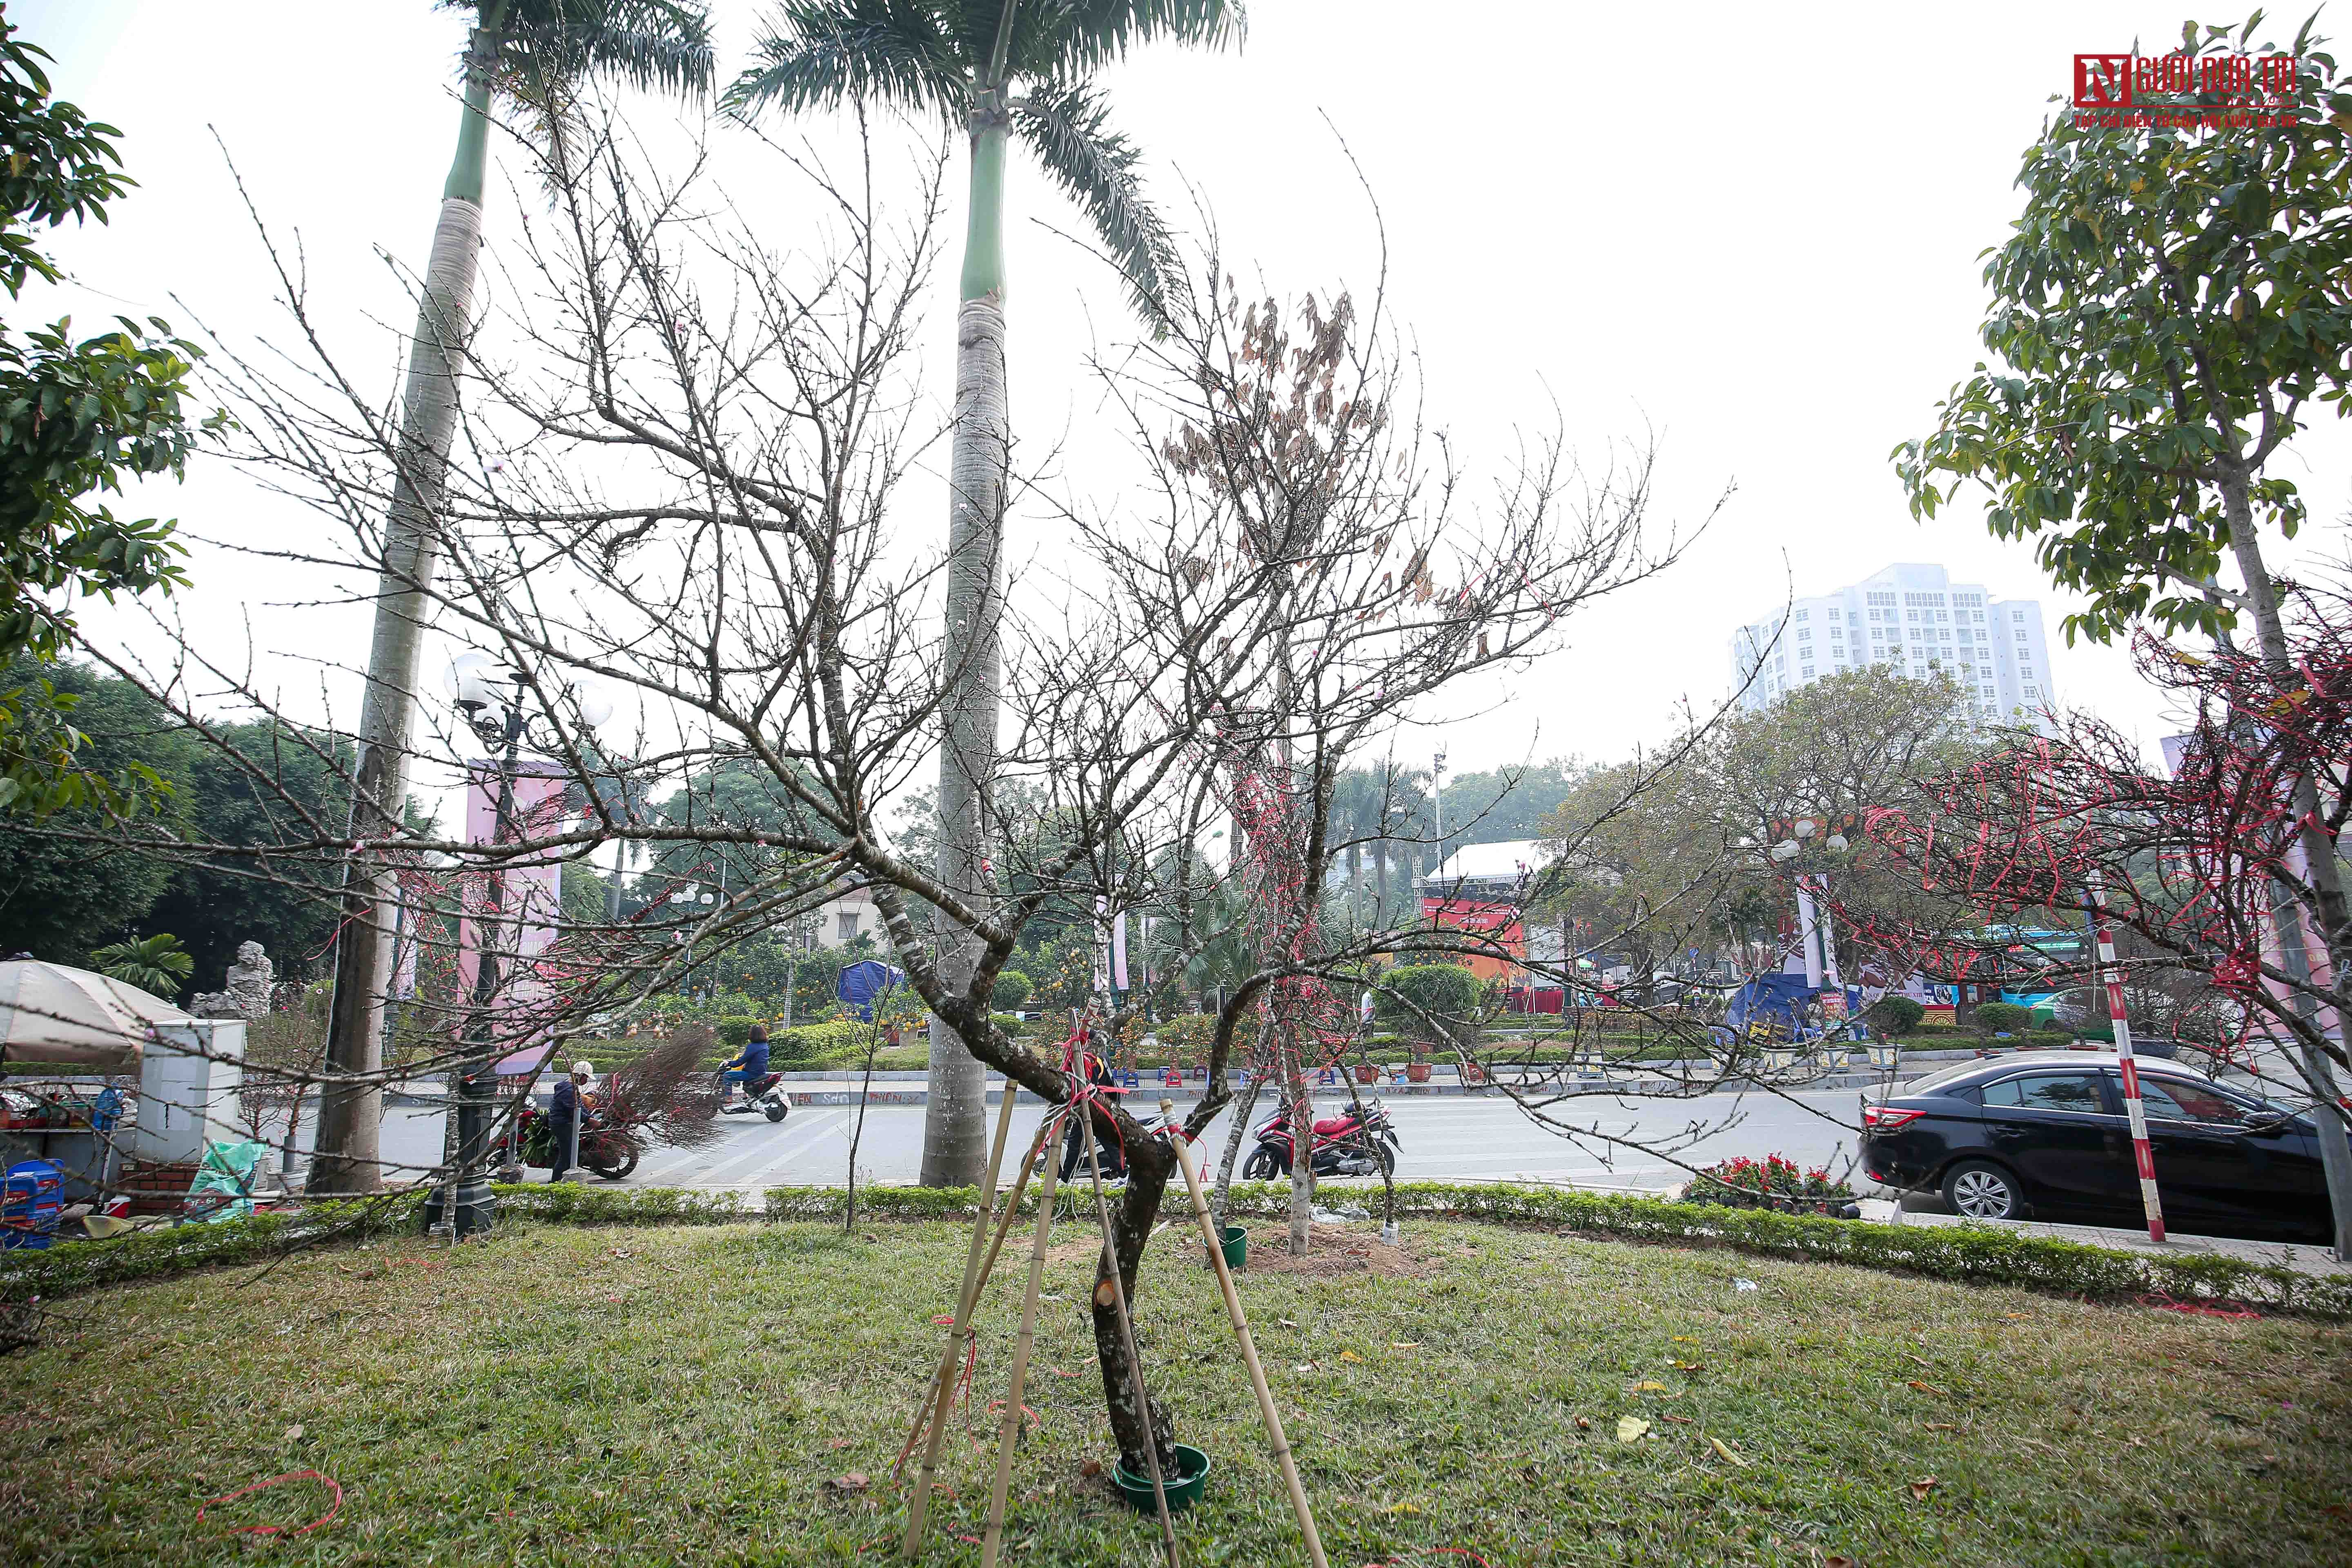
<point>1353,1143</point>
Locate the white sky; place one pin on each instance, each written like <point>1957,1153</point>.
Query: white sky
<point>1757,235</point>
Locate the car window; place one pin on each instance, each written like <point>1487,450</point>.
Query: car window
<point>2179,1100</point>
<point>2047,1091</point>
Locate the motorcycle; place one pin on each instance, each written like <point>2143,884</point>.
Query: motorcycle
<point>1114,1158</point>
<point>1351,1143</point>
<point>767,1096</point>
<point>609,1152</point>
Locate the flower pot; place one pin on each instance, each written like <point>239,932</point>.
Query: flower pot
<point>1183,1488</point>
<point>1417,1072</point>
<point>1473,1073</point>
<point>1236,1248</point>
<point>1367,1073</point>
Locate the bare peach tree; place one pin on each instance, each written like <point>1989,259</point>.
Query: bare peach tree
<point>680,465</point>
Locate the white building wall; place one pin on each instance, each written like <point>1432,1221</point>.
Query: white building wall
<point>1916,620</point>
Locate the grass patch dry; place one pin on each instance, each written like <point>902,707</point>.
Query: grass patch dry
<point>685,1396</point>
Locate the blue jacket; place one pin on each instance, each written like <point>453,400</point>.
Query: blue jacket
<point>567,1101</point>
<point>754,1059</point>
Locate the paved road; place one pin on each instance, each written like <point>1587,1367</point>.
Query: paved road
<point>1443,1137</point>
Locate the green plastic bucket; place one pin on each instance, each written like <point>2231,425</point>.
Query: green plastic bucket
<point>1236,1248</point>
<point>1183,1487</point>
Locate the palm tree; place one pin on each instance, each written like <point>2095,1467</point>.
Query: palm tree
<point>154,963</point>
<point>534,53</point>
<point>999,67</point>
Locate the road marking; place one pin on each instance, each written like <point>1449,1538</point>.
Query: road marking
<point>770,1156</point>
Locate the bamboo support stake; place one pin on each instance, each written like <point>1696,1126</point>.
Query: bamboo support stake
<point>992,1538</point>
<point>967,1301</point>
<point>923,1411</point>
<point>1249,1346</point>
<point>1127,1338</point>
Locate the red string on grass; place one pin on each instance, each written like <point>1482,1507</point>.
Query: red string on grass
<point>328,1482</point>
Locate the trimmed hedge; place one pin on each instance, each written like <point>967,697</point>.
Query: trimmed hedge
<point>1983,1255</point>
<point>813,1043</point>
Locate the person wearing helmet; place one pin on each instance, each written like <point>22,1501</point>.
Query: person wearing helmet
<point>565,1115</point>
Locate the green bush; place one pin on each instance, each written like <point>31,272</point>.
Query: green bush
<point>814,1043</point>
<point>1443,1001</point>
<point>1011,990</point>
<point>733,1033</point>
<point>1896,1015</point>
<point>2002,1017</point>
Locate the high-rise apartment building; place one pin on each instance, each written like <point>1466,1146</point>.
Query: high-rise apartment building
<point>1917,621</point>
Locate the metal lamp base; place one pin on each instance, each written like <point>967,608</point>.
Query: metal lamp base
<point>475,1212</point>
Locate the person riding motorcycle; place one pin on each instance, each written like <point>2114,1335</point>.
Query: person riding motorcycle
<point>1097,1072</point>
<point>754,1063</point>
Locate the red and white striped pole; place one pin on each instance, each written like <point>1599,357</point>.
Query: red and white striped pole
<point>2143,1157</point>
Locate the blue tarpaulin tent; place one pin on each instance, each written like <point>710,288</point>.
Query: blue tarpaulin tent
<point>862,983</point>
<point>1767,996</point>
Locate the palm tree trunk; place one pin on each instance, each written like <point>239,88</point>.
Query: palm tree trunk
<point>955,1121</point>
<point>347,1146</point>
<point>1380,883</point>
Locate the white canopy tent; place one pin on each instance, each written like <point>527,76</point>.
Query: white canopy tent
<point>73,1017</point>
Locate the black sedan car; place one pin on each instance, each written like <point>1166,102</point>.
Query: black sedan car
<point>2044,1136</point>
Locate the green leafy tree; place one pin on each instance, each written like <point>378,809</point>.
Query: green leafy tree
<point>2169,313</point>
<point>66,883</point>
<point>999,69</point>
<point>153,964</point>
<point>1431,1001</point>
<point>531,56</point>
<point>260,783</point>
<point>75,417</point>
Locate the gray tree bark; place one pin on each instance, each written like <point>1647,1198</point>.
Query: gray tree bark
<point>955,1129</point>
<point>345,1158</point>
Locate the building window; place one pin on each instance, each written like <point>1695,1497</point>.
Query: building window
<point>845,927</point>
<point>2033,691</point>
<point>1806,634</point>
<point>2021,636</point>
<point>2017,615</point>
<point>1807,672</point>
<point>1803,615</point>
<point>1943,615</point>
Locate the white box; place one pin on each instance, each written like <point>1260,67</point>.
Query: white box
<point>189,1078</point>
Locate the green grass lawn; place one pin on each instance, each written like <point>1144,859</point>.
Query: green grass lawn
<point>637,1396</point>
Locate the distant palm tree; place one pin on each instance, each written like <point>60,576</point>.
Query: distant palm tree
<point>154,963</point>
<point>998,67</point>
<point>534,53</point>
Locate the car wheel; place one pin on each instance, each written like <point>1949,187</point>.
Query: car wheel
<point>1978,1189</point>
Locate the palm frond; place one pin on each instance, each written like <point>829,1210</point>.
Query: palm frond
<point>1071,39</point>
<point>816,53</point>
<point>1068,125</point>
<point>549,46</point>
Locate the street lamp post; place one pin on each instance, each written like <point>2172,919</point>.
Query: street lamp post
<point>464,1204</point>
